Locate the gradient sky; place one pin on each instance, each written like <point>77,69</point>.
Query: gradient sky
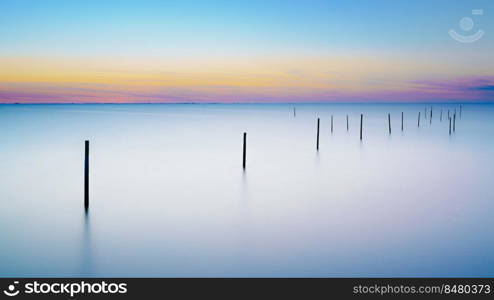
<point>244,51</point>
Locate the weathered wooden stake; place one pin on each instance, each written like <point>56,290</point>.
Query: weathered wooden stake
<point>449,126</point>
<point>418,120</point>
<point>86,175</point>
<point>430,119</point>
<point>361,124</point>
<point>460,110</point>
<point>401,121</point>
<point>347,127</point>
<point>441,117</point>
<point>294,112</point>
<point>245,150</point>
<point>317,142</point>
<point>331,123</point>
<point>389,123</point>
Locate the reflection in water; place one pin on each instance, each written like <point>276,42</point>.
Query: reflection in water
<point>86,253</point>
<point>244,193</point>
<point>317,159</point>
<point>244,197</point>
<point>244,222</point>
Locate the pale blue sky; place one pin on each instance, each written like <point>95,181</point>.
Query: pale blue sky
<point>94,27</point>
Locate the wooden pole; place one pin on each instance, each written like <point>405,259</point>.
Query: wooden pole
<point>361,124</point>
<point>454,122</point>
<point>430,119</point>
<point>86,175</point>
<point>331,123</point>
<point>317,142</point>
<point>460,110</point>
<point>389,123</point>
<point>449,126</point>
<point>418,120</point>
<point>347,127</point>
<point>441,117</point>
<point>245,150</point>
<point>401,121</point>
<point>294,112</point>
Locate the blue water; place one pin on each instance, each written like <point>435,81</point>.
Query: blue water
<point>169,197</point>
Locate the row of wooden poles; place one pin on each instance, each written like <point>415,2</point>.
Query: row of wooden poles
<point>452,127</point>
<point>452,123</point>
<point>86,169</point>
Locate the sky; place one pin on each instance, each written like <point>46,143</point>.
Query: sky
<point>246,51</point>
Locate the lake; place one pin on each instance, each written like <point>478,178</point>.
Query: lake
<point>169,197</point>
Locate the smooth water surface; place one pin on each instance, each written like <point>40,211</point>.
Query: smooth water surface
<point>168,196</point>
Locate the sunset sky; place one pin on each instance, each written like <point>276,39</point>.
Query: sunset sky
<point>244,51</point>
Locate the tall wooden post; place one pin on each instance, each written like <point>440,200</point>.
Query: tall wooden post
<point>389,123</point>
<point>418,120</point>
<point>86,175</point>
<point>401,121</point>
<point>317,142</point>
<point>361,124</point>
<point>245,151</point>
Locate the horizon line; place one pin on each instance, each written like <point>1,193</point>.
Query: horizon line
<point>236,103</point>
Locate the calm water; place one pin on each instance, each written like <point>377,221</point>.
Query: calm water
<point>169,198</point>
